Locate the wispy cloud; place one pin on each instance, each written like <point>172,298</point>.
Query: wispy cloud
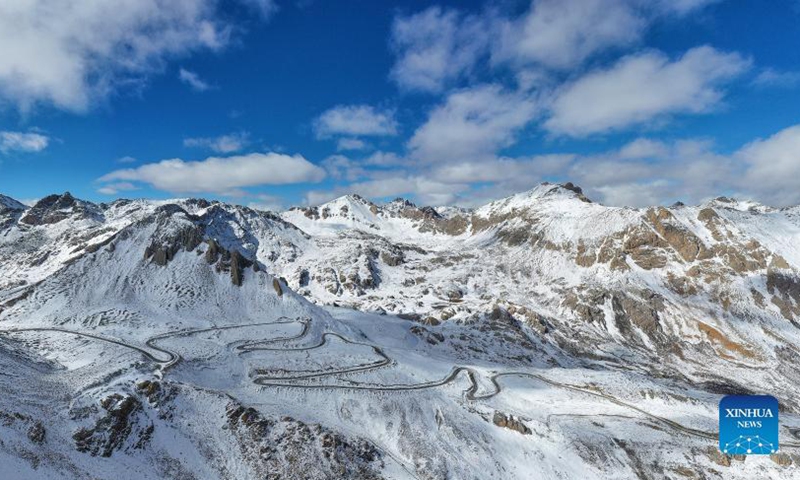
<point>435,47</point>
<point>193,80</point>
<point>344,144</point>
<point>355,120</point>
<point>26,142</point>
<point>775,78</point>
<point>230,143</point>
<point>472,124</point>
<point>115,188</point>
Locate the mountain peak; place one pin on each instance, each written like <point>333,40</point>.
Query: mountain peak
<point>56,207</point>
<point>8,203</point>
<point>544,192</point>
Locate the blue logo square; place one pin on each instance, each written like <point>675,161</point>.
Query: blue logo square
<point>748,425</point>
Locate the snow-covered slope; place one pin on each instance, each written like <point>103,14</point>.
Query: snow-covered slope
<point>195,339</point>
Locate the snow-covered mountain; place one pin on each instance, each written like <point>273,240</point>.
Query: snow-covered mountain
<point>539,336</point>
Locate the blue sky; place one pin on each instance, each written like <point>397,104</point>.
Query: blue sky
<point>286,102</point>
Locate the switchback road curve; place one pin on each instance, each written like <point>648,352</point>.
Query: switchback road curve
<point>167,358</point>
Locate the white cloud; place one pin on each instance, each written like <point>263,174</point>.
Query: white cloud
<point>773,167</point>
<point>647,172</point>
<point>22,142</point>
<point>642,173</point>
<point>193,80</point>
<point>640,88</point>
<point>434,47</point>
<point>230,143</point>
<point>70,53</point>
<point>350,144</point>
<point>437,47</point>
<point>384,159</point>
<point>472,124</point>
<point>341,167</point>
<point>396,184</point>
<point>355,120</point>
<point>643,148</point>
<point>520,172</point>
<point>221,175</point>
<point>115,188</point>
<point>126,159</point>
<point>774,78</point>
<point>563,33</point>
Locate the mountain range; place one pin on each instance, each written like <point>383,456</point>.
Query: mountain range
<point>538,336</point>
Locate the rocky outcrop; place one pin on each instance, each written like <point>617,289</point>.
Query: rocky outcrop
<point>55,208</point>
<point>638,311</point>
<point>785,291</point>
<point>112,431</point>
<point>280,448</point>
<point>36,433</point>
<point>510,422</point>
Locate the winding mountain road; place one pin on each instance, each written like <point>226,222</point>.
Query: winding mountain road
<point>171,358</point>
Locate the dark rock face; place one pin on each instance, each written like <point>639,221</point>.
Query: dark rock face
<point>212,252</point>
<point>36,433</point>
<point>276,284</point>
<point>10,211</point>
<point>238,264</point>
<point>55,208</point>
<point>785,291</point>
<point>112,430</point>
<point>642,313</point>
<point>574,188</point>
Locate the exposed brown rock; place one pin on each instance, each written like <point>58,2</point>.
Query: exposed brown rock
<point>782,459</point>
<point>508,421</point>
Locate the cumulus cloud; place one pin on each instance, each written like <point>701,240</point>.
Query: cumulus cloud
<point>22,142</point>
<point>193,80</point>
<point>340,167</point>
<point>70,54</point>
<point>230,143</point>
<point>355,120</point>
<point>221,175</point>
<point>643,87</point>
<point>126,159</point>
<point>773,165</point>
<point>472,124</point>
<point>436,46</point>
<point>519,172</point>
<point>562,33</point>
